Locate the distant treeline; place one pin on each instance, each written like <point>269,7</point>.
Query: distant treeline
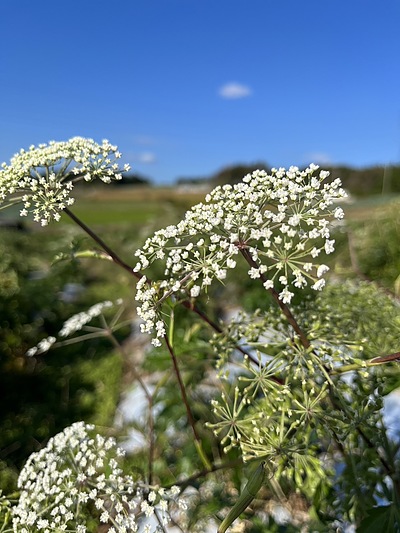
<point>358,181</point>
<point>370,180</point>
<point>132,179</point>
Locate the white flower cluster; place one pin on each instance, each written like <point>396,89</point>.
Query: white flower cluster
<point>42,347</point>
<point>76,479</point>
<point>72,325</point>
<point>281,221</point>
<point>42,177</point>
<point>76,322</point>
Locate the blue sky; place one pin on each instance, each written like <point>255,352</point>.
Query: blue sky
<point>186,87</point>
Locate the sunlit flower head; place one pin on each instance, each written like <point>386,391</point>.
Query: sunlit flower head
<point>41,178</point>
<point>78,475</point>
<point>279,221</point>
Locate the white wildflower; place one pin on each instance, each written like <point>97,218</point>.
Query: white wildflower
<point>338,213</point>
<point>329,248</point>
<point>318,285</point>
<point>76,322</point>
<point>278,221</point>
<point>322,269</point>
<point>72,325</point>
<point>56,482</point>
<point>286,296</point>
<point>254,273</point>
<point>268,284</point>
<point>42,178</point>
<point>195,291</point>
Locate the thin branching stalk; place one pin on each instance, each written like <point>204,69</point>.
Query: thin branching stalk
<point>149,398</point>
<point>197,440</point>
<point>284,308</point>
<point>188,304</point>
<point>115,257</point>
<point>215,467</point>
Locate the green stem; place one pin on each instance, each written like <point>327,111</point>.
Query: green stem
<point>197,440</point>
<point>188,304</point>
<point>101,243</point>
<point>366,364</point>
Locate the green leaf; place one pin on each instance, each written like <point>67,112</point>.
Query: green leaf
<point>379,519</point>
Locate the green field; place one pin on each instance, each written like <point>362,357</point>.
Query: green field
<point>120,205</point>
<point>139,205</point>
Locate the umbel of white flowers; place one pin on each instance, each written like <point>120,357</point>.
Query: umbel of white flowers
<point>77,476</point>
<point>73,325</point>
<point>280,220</point>
<point>43,177</point>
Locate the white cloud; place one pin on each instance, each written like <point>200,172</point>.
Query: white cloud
<point>146,158</point>
<point>234,90</point>
<point>318,157</point>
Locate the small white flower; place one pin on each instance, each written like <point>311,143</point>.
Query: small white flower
<point>286,296</point>
<point>195,291</point>
<point>230,263</point>
<point>315,252</point>
<point>294,220</point>
<point>147,509</point>
<point>268,284</point>
<point>318,285</point>
<point>254,273</point>
<point>338,213</point>
<point>329,248</point>
<point>175,490</point>
<point>322,269</point>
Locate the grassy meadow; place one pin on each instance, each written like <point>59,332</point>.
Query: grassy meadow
<point>131,205</point>
<point>140,205</point>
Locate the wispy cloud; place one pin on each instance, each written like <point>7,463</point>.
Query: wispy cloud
<point>318,157</point>
<point>146,157</point>
<point>234,91</point>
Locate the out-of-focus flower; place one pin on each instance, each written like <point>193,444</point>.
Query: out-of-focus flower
<point>78,477</point>
<point>43,177</point>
